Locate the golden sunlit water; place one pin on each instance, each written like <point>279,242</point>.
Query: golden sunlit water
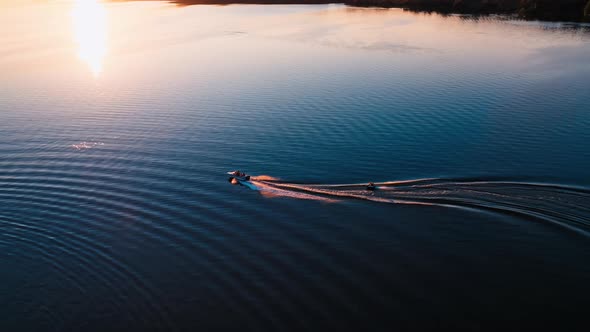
<point>89,19</point>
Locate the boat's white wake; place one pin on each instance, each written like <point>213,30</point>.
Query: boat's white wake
<point>565,206</point>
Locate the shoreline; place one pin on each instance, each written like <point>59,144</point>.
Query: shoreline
<point>544,10</point>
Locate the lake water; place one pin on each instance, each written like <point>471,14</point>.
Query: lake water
<point>119,121</point>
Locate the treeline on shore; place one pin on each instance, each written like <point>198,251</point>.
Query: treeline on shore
<point>566,10</point>
<point>570,10</point>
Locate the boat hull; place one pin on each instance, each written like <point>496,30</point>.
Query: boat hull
<point>239,178</point>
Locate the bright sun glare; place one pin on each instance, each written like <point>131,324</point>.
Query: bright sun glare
<point>90,29</point>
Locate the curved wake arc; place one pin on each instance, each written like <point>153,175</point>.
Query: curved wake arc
<point>566,206</point>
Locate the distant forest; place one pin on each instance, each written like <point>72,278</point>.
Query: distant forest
<point>554,10</point>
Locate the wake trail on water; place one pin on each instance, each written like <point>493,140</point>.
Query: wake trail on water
<point>565,206</point>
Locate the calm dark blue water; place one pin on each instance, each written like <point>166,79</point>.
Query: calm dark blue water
<point>119,121</point>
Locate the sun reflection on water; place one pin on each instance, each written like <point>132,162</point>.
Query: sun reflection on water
<point>90,30</point>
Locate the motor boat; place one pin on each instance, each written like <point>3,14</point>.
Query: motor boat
<point>240,176</point>
<point>371,186</point>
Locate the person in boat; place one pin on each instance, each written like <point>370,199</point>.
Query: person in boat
<point>371,186</point>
